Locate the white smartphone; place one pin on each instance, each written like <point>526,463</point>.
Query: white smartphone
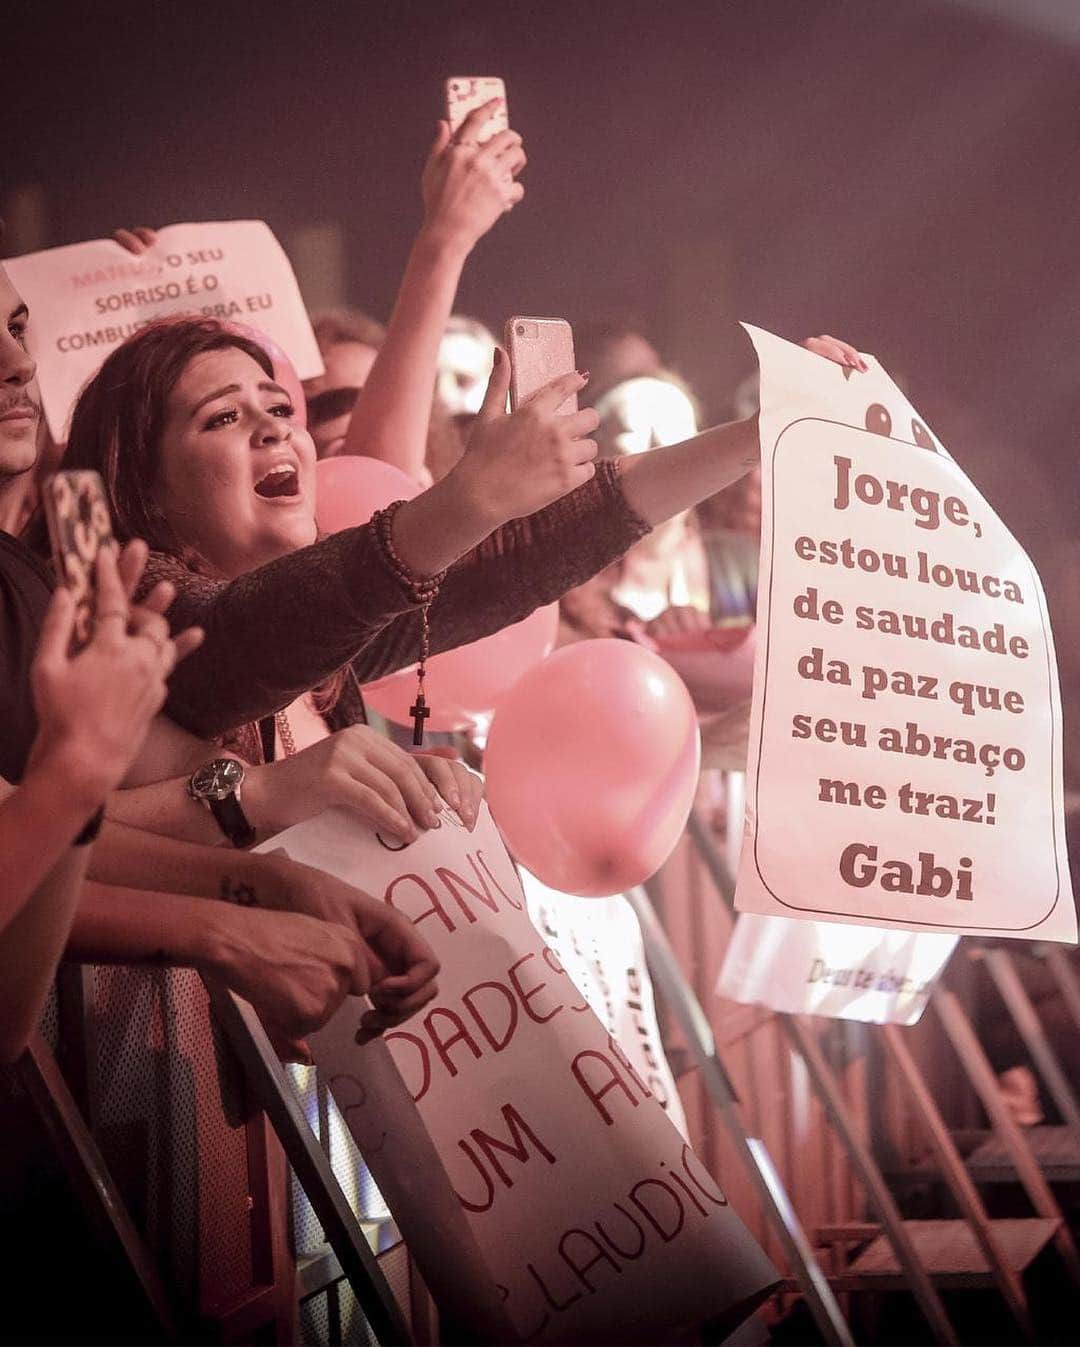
<point>540,349</point>
<point>464,93</point>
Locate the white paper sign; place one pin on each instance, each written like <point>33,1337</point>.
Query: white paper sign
<point>85,299</point>
<point>598,941</point>
<point>825,968</point>
<point>592,1215</point>
<point>905,747</point>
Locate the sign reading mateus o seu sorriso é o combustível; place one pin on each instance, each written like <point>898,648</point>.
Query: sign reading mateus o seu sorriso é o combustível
<point>905,751</point>
<point>86,298</point>
<point>531,1169</point>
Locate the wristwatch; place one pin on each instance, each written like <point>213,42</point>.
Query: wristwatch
<point>217,784</point>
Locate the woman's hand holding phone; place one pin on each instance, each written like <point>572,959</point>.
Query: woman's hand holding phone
<point>95,706</point>
<point>468,185</point>
<point>517,463</point>
<point>513,465</point>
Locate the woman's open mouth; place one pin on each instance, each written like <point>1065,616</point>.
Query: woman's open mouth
<point>281,482</point>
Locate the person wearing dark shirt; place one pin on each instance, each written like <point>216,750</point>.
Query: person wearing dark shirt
<point>25,588</point>
<point>205,456</point>
<point>280,953</point>
<point>70,729</point>
<point>25,581</point>
<point>73,723</point>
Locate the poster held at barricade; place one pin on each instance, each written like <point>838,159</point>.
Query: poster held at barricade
<point>594,1219</point>
<point>905,748</point>
<point>598,941</point>
<point>831,969</point>
<point>86,298</point>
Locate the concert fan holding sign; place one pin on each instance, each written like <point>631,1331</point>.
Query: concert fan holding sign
<point>465,1002</point>
<point>224,429</point>
<point>905,762</point>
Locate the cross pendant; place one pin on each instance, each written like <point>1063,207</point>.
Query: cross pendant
<point>419,712</point>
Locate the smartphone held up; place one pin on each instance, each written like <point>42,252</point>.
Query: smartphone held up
<point>466,93</point>
<point>77,512</point>
<point>540,349</point>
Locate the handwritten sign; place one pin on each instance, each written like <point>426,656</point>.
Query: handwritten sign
<point>593,1218</point>
<point>825,968</point>
<point>598,941</point>
<point>905,747</point>
<point>86,298</point>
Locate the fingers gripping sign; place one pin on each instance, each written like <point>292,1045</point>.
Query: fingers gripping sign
<point>462,789</point>
<point>138,240</point>
<point>840,352</point>
<point>358,769</point>
<point>294,969</point>
<point>396,966</point>
<point>404,981</point>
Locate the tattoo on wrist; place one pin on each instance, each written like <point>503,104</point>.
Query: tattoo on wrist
<point>236,891</point>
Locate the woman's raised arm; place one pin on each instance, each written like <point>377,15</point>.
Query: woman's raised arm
<point>526,515</point>
<point>467,187</point>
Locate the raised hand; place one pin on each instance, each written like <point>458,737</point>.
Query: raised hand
<point>95,707</point>
<point>519,462</point>
<point>467,185</point>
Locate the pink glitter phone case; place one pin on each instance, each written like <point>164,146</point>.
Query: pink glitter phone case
<point>540,350</point>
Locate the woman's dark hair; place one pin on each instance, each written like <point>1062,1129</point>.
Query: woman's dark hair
<point>119,419</point>
<point>117,427</point>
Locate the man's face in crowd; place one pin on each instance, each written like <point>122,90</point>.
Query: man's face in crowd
<point>20,408</point>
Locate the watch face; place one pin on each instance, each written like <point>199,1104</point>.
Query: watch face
<point>215,780</point>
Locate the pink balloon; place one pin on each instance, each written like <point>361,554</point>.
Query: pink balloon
<point>466,684</point>
<point>350,489</point>
<point>476,677</point>
<point>284,369</point>
<point>592,761</point>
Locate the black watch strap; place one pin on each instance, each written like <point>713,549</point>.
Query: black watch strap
<point>232,821</point>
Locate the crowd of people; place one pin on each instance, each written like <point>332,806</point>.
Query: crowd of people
<point>274,630</point>
<point>232,641</point>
